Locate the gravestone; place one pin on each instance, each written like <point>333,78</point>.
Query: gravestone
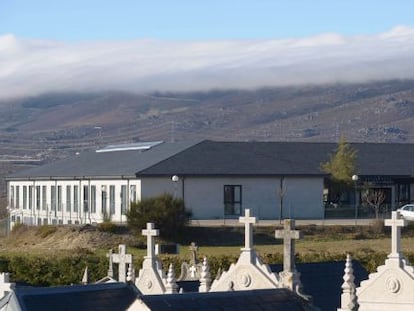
<point>290,277</point>
<point>150,279</point>
<point>123,260</point>
<point>249,272</point>
<point>191,271</point>
<point>391,287</point>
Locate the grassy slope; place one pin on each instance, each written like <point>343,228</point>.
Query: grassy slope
<point>335,240</point>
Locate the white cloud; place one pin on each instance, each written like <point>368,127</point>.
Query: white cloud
<point>31,67</point>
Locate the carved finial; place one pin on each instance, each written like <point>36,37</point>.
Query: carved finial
<point>85,278</point>
<point>348,297</point>
<point>205,277</point>
<point>130,273</point>
<point>171,284</point>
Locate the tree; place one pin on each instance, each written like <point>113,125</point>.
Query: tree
<point>168,214</point>
<point>374,198</point>
<point>340,166</point>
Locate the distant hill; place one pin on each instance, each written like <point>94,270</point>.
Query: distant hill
<point>55,125</point>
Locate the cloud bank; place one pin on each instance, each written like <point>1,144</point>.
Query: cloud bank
<point>31,67</point>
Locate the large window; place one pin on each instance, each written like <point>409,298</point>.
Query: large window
<point>112,199</point>
<point>103,200</point>
<point>93,199</point>
<point>68,198</point>
<point>85,199</point>
<point>17,196</point>
<point>133,193</point>
<point>53,198</point>
<point>12,197</point>
<point>44,197</point>
<point>24,197</point>
<point>123,199</point>
<point>30,197</point>
<point>75,198</point>
<point>232,199</point>
<point>38,197</point>
<point>59,198</point>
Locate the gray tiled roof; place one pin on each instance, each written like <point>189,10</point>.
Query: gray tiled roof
<point>323,280</point>
<point>102,297</point>
<point>281,158</point>
<point>104,164</point>
<point>253,300</point>
<point>213,158</point>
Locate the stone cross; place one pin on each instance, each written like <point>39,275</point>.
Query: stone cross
<point>193,250</point>
<point>150,232</point>
<point>123,259</point>
<point>289,235</point>
<point>248,229</point>
<point>395,223</point>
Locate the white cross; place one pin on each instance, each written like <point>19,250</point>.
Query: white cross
<point>395,223</point>
<point>248,229</point>
<point>123,259</point>
<point>150,232</point>
<point>289,235</point>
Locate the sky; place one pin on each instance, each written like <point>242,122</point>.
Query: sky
<point>180,45</point>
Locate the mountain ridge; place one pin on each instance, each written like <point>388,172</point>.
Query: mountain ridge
<point>52,126</point>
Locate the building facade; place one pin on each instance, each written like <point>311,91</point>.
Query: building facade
<point>216,180</point>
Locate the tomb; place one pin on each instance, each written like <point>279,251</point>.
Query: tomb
<point>249,272</point>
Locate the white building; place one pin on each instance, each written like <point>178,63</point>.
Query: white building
<point>216,180</point>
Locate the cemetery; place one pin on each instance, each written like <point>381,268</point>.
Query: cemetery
<point>248,282</point>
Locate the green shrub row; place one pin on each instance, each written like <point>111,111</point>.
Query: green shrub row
<point>66,270</point>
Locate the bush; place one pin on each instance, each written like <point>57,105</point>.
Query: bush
<point>166,212</point>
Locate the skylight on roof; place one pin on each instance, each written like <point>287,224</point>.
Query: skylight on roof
<point>134,146</point>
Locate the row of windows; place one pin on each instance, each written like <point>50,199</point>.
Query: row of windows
<point>35,197</point>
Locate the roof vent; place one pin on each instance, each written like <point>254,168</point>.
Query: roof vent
<point>134,146</point>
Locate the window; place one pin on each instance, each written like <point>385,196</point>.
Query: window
<point>93,199</point>
<point>53,198</point>
<point>112,199</point>
<point>12,196</point>
<point>30,197</point>
<point>24,197</point>
<point>75,198</point>
<point>44,197</point>
<point>17,196</point>
<point>59,198</point>
<point>103,200</point>
<point>123,199</point>
<point>38,197</point>
<point>85,198</point>
<point>232,199</point>
<point>133,193</point>
<point>68,198</point>
<point>403,193</point>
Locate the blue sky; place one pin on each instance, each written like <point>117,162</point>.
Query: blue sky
<point>77,20</point>
<point>180,45</point>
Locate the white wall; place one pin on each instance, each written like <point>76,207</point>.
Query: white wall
<point>31,213</point>
<point>204,196</point>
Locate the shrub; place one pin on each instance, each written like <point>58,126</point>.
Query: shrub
<point>108,227</point>
<point>168,214</point>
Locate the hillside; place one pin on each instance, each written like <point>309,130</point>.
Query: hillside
<point>56,125</point>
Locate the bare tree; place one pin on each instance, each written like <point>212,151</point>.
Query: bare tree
<point>374,198</point>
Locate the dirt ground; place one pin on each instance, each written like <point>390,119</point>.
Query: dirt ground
<point>62,238</point>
